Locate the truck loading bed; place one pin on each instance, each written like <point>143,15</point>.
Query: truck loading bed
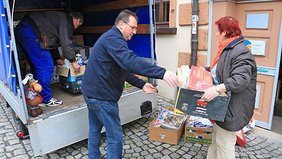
<point>70,102</point>
<point>63,125</point>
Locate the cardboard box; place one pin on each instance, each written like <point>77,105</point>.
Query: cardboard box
<point>128,85</point>
<point>78,39</point>
<point>71,84</point>
<point>188,101</point>
<point>198,135</point>
<point>68,79</point>
<point>67,70</point>
<point>169,136</point>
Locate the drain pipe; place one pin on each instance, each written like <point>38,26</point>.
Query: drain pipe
<point>210,33</point>
<point>194,31</point>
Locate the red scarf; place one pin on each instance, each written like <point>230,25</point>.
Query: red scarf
<point>221,46</point>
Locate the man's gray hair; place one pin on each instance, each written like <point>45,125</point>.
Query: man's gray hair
<point>124,16</point>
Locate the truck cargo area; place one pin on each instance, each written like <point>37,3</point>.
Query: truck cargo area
<point>66,124</point>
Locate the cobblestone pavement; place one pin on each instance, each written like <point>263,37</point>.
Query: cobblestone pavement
<point>136,143</point>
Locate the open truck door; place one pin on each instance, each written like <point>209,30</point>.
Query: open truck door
<point>67,124</point>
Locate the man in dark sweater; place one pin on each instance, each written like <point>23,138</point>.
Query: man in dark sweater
<point>38,34</point>
<point>111,63</point>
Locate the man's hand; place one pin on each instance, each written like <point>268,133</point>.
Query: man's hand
<point>76,67</point>
<point>171,79</point>
<point>149,88</point>
<point>60,62</point>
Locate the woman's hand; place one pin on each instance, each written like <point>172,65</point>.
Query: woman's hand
<point>210,94</point>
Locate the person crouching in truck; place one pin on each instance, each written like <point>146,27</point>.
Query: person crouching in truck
<point>38,34</point>
<point>110,64</point>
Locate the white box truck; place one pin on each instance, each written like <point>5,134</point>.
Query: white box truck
<point>61,126</point>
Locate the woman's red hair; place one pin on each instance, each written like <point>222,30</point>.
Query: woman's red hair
<point>229,25</point>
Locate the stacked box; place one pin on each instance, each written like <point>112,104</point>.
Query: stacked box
<point>68,79</point>
<point>169,136</point>
<point>198,135</point>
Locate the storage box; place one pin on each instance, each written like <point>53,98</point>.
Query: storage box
<point>71,84</point>
<point>188,101</point>
<point>67,71</point>
<point>169,136</point>
<point>128,85</point>
<point>68,79</point>
<point>198,135</point>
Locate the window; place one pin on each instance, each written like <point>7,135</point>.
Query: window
<point>162,17</point>
<point>162,12</point>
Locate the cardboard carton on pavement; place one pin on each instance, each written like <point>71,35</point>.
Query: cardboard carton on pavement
<point>169,136</point>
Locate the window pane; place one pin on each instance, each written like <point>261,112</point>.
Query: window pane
<point>166,11</point>
<point>157,12</point>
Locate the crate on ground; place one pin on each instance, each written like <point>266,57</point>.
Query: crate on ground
<point>198,135</point>
<point>198,130</point>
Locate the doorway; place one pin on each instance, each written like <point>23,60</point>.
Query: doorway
<point>277,115</point>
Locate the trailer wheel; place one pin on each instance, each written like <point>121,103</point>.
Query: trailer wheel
<point>20,128</point>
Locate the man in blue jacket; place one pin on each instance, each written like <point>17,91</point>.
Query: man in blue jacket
<point>38,34</point>
<point>111,63</point>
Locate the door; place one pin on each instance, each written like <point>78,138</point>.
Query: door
<point>10,89</point>
<point>261,24</point>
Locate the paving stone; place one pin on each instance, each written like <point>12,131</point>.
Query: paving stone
<point>19,151</point>
<point>126,147</point>
<point>174,155</point>
<point>166,152</point>
<point>149,157</point>
<point>187,156</point>
<point>180,152</point>
<point>54,156</point>
<point>70,157</point>
<point>129,151</point>
<point>8,155</point>
<point>259,156</point>
<point>165,157</point>
<point>157,155</point>
<point>243,154</point>
<point>84,151</point>
<point>135,154</point>
<point>144,153</point>
<point>137,149</point>
<point>151,151</point>
<point>252,156</point>
<point>75,152</point>
<point>193,153</point>
<point>159,148</point>
<point>127,155</point>
<point>78,156</point>
<point>266,155</point>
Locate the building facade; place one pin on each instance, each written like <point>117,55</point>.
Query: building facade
<point>260,21</point>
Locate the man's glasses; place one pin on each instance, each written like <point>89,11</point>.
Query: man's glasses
<point>132,27</point>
